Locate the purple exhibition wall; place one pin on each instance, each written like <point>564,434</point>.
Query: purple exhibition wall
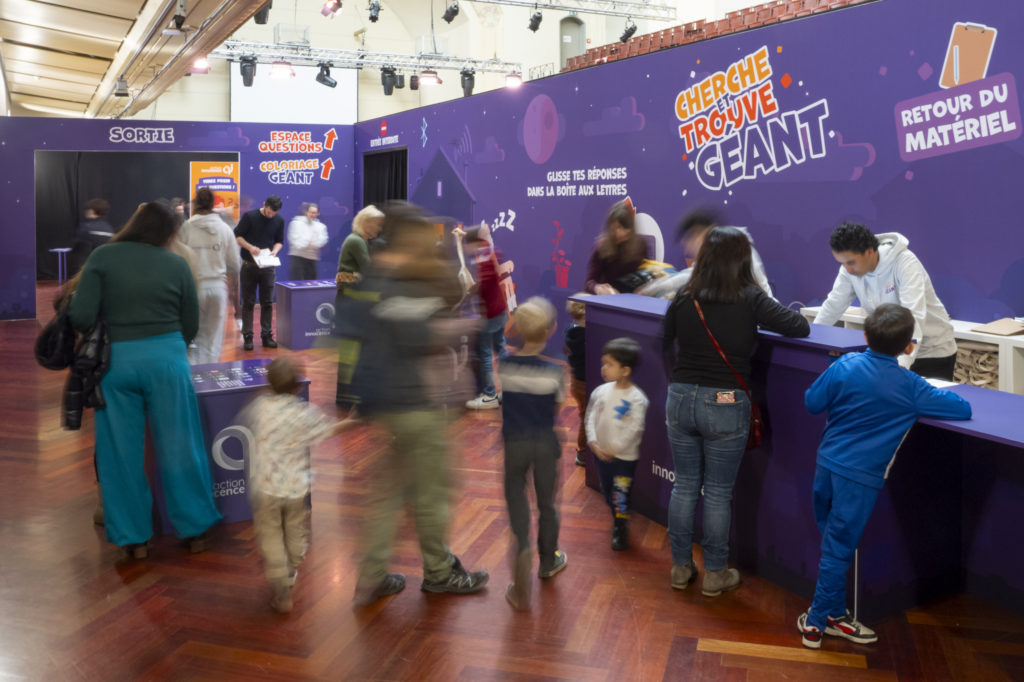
<point>855,133</point>
<point>297,162</point>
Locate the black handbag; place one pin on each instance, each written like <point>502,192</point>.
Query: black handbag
<point>627,284</point>
<point>55,345</point>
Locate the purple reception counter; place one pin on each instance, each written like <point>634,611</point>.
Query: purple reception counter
<point>223,389</point>
<point>941,525</point>
<point>305,311</point>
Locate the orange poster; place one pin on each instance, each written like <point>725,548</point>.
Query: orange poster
<point>222,179</point>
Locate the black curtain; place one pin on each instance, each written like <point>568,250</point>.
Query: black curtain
<point>385,176</point>
<point>64,181</point>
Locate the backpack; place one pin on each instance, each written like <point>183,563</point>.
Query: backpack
<point>55,345</point>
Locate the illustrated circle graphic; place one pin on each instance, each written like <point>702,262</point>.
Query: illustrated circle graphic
<point>540,129</point>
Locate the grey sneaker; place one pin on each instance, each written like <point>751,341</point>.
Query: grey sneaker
<point>459,581</point>
<point>484,402</point>
<point>561,561</point>
<point>682,576</point>
<point>717,582</point>
<point>393,583</point>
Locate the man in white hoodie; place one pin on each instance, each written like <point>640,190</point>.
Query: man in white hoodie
<point>881,269</point>
<point>215,260</point>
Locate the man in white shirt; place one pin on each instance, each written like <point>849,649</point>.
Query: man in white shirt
<point>306,236</point>
<point>881,269</point>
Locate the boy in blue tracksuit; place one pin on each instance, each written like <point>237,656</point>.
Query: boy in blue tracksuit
<point>872,402</point>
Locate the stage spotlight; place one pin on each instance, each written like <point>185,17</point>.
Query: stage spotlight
<point>374,10</point>
<point>331,8</point>
<point>450,12</point>
<point>281,70</point>
<point>535,21</point>
<point>429,77</point>
<point>324,77</point>
<point>628,32</point>
<point>400,83</point>
<point>200,65</point>
<point>388,79</point>
<point>263,13</point>
<point>414,82</point>
<point>247,65</point>
<point>179,15</point>
<point>468,81</point>
<point>121,87</point>
<point>513,80</point>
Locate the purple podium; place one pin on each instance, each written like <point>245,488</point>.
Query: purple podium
<point>305,312</point>
<point>223,390</point>
<point>942,524</point>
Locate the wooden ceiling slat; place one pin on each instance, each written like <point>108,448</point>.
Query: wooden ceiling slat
<point>51,58</point>
<point>54,93</point>
<point>20,81</point>
<point>14,66</point>
<point>58,40</point>
<point>66,19</point>
<point>48,102</point>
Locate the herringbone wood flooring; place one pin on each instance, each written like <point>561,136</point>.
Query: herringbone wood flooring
<point>72,608</point>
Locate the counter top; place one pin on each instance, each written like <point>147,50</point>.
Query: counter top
<point>997,416</point>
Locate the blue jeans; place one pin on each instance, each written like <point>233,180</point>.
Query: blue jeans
<point>842,508</point>
<point>707,439</point>
<point>490,339</point>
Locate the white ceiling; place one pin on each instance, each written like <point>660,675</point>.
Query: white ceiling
<point>63,58</point>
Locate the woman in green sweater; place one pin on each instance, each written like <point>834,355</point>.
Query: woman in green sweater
<point>147,296</point>
<point>354,257</point>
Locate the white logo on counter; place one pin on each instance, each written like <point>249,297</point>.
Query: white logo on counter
<point>325,313</point>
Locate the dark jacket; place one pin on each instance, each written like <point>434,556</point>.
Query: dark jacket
<point>82,388</point>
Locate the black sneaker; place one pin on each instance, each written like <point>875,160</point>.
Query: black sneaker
<point>268,342</point>
<point>393,583</point>
<point>459,581</point>
<point>247,343</point>
<point>560,562</point>
<point>581,458</point>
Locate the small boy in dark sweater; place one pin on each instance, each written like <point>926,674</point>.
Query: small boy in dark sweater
<point>534,390</point>
<point>872,402</point>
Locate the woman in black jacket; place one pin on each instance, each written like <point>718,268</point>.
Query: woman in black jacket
<point>708,409</point>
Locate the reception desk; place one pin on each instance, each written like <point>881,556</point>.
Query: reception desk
<point>305,312</point>
<point>223,390</point>
<point>942,524</point>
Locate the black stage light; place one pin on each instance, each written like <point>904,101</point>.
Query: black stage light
<point>628,33</point>
<point>374,10</point>
<point>535,21</point>
<point>247,66</point>
<point>450,12</point>
<point>400,83</point>
<point>324,77</point>
<point>388,79</point>
<point>414,82</point>
<point>263,13</point>
<point>468,81</point>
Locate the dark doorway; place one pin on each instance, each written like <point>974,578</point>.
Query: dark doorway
<point>65,180</point>
<point>385,176</point>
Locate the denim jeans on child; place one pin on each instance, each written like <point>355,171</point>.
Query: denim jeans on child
<point>490,339</point>
<point>616,483</point>
<point>842,508</point>
<point>707,435</point>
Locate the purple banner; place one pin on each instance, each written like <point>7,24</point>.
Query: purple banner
<point>965,117</point>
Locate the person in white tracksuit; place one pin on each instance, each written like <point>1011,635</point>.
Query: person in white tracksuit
<point>215,260</point>
<point>877,269</point>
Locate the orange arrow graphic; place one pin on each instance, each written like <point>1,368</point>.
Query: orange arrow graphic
<point>325,169</point>
<point>329,137</point>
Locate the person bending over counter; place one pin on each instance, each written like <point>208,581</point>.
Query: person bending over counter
<point>881,269</point>
<point>619,251</point>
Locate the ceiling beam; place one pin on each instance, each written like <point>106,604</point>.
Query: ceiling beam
<point>637,9</point>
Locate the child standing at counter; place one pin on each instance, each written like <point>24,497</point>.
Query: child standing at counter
<point>872,402</point>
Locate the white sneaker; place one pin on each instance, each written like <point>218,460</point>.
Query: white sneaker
<point>484,402</point>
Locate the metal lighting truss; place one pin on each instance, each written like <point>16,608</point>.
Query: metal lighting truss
<point>358,59</point>
<point>637,9</point>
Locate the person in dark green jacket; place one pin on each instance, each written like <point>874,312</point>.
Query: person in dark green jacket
<point>147,296</point>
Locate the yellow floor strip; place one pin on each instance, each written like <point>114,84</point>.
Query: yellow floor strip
<point>781,653</point>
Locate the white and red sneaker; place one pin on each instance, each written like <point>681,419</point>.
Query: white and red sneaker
<point>848,628</point>
<point>811,636</point>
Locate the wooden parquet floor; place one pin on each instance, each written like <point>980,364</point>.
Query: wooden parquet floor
<point>72,608</point>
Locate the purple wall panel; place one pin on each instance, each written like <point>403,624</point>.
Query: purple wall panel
<point>488,156</point>
<point>329,184</point>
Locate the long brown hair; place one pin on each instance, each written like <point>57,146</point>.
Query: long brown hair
<point>723,268</point>
<point>152,223</point>
<point>607,248</point>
